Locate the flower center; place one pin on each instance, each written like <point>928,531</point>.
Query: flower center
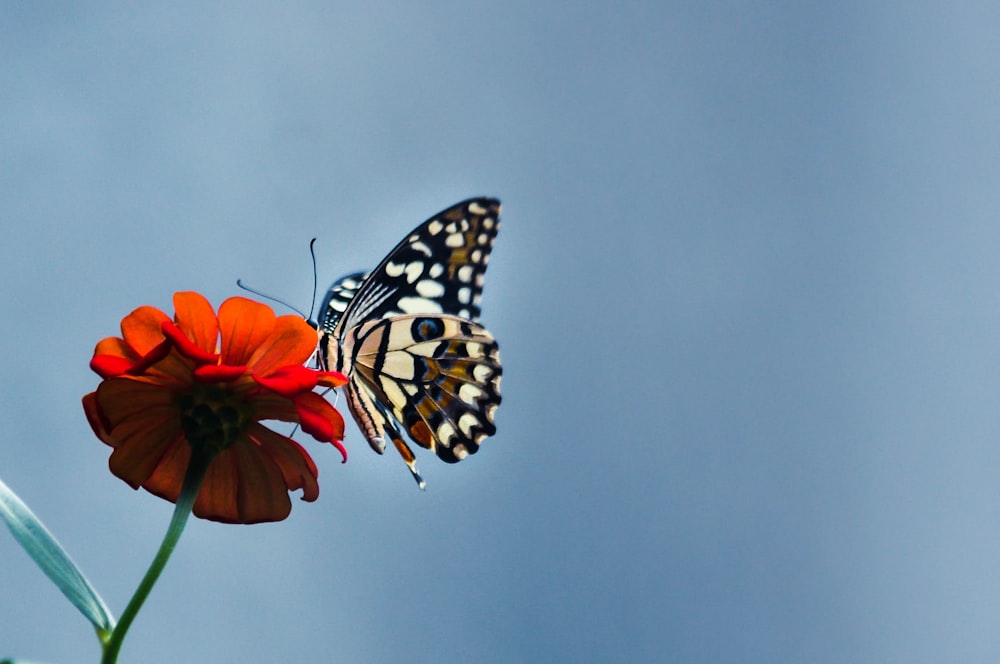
<point>213,418</point>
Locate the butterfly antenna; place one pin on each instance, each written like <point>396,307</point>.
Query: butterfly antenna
<point>312,252</point>
<point>239,282</point>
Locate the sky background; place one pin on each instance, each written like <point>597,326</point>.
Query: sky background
<point>746,289</point>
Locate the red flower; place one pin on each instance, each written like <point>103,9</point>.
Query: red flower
<point>204,382</point>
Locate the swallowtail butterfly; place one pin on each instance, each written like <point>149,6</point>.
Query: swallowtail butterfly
<point>408,338</point>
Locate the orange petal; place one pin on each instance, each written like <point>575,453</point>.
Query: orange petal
<point>116,347</point>
<point>120,399</point>
<point>243,486</point>
<point>262,492</point>
<point>297,467</point>
<point>141,329</point>
<point>270,406</point>
<point>245,325</point>
<point>141,446</point>
<point>96,419</point>
<point>217,497</point>
<point>168,478</point>
<point>293,341</point>
<point>196,318</point>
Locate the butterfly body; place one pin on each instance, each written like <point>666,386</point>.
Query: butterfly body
<point>408,338</point>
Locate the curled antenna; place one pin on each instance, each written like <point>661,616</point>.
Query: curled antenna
<point>239,282</point>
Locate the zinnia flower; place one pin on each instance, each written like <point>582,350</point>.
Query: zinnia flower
<point>201,384</point>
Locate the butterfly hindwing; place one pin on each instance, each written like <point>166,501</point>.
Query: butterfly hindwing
<point>338,297</point>
<point>439,375</point>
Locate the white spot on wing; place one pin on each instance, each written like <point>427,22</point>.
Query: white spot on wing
<point>418,305</point>
<point>465,273</point>
<point>414,270</point>
<point>466,422</point>
<point>445,433</point>
<point>464,294</point>
<point>470,393</point>
<point>455,240</point>
<point>430,288</point>
<point>394,269</point>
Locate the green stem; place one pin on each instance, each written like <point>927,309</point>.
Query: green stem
<point>192,483</point>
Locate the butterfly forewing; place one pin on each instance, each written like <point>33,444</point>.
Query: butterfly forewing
<point>437,269</point>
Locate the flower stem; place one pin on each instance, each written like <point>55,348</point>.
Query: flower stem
<point>192,483</point>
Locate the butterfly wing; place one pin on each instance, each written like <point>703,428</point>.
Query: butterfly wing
<point>338,298</point>
<point>439,376</point>
<point>437,269</point>
<point>406,336</point>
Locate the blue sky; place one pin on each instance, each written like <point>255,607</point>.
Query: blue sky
<point>746,292</point>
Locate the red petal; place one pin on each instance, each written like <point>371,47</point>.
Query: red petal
<point>218,373</point>
<point>157,353</point>
<point>289,380</point>
<point>321,420</point>
<point>185,346</point>
<point>107,366</point>
<point>331,378</point>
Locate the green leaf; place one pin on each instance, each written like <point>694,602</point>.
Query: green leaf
<point>54,561</point>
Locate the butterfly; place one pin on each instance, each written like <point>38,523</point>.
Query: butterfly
<point>407,337</point>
